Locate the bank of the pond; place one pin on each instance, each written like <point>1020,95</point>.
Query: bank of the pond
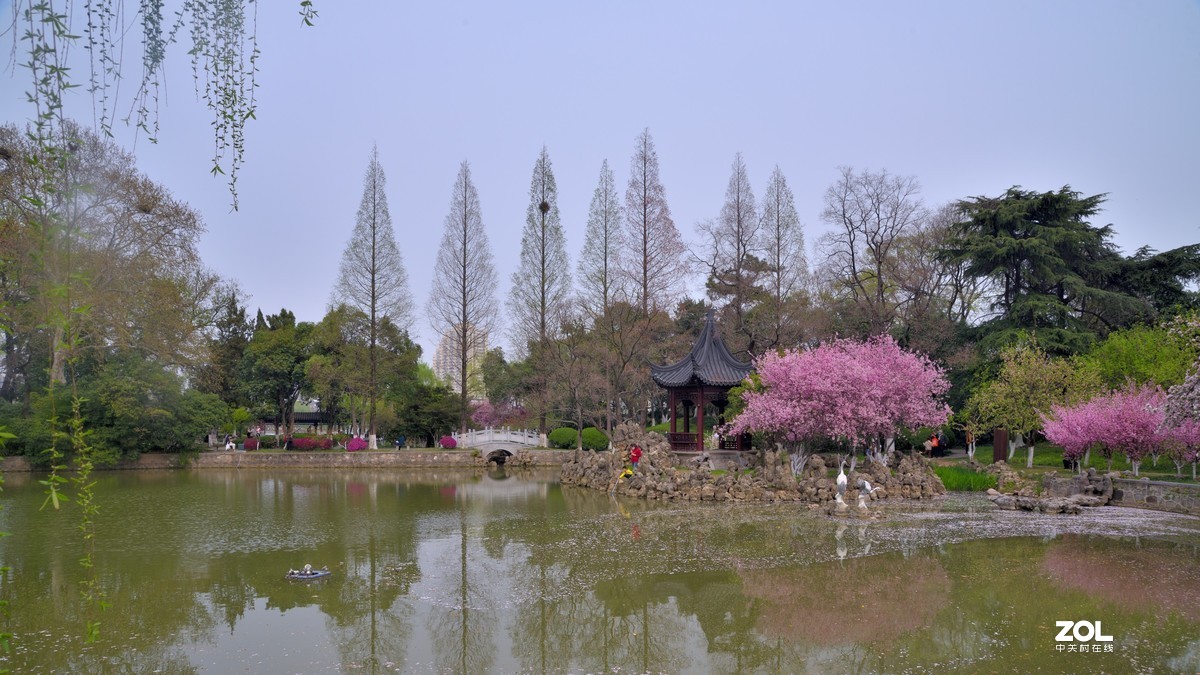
<point>381,459</point>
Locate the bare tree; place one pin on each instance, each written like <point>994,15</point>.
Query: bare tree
<point>372,277</point>
<point>541,286</point>
<point>597,273</point>
<point>462,304</point>
<point>734,258</point>
<point>782,242</point>
<point>870,211</point>
<point>655,262</point>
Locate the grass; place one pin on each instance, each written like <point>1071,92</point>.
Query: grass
<point>1047,456</point>
<point>962,479</point>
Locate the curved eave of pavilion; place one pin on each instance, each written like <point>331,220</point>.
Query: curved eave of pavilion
<point>709,363</point>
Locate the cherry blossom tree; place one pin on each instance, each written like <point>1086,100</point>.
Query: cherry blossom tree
<point>1182,443</point>
<point>1073,428</point>
<point>1128,420</point>
<point>859,392</point>
<point>1133,418</point>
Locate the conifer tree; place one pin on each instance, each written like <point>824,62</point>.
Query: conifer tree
<point>372,277</point>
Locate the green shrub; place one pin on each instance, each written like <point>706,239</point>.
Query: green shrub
<point>564,438</point>
<point>962,479</point>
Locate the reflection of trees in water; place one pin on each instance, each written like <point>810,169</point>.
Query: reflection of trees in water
<point>861,600</point>
<point>1146,576</point>
<point>463,630</point>
<point>372,622</point>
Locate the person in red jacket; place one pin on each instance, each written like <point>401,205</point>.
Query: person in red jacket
<point>635,455</point>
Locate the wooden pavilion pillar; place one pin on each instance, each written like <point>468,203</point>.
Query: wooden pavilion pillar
<point>700,419</point>
<point>671,395</point>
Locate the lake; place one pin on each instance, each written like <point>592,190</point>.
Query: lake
<point>459,571</point>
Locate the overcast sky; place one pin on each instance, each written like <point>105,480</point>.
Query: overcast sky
<point>970,98</point>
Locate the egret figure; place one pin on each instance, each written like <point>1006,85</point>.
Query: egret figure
<point>864,484</point>
<point>841,479</point>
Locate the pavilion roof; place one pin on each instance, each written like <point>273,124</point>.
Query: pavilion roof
<point>710,362</point>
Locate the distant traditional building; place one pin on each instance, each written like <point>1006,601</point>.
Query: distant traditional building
<point>446,361</point>
<point>703,377</point>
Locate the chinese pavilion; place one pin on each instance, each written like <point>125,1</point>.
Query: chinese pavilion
<point>703,377</point>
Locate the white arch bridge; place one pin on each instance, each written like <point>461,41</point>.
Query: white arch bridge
<point>488,440</point>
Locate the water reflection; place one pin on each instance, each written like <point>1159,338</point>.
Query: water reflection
<point>482,572</point>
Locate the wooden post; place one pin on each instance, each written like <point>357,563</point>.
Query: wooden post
<point>700,421</point>
<point>999,445</point>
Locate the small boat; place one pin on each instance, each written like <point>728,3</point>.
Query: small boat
<point>307,573</point>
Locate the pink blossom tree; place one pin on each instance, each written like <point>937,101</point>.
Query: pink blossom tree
<point>860,392</point>
<point>1135,416</point>
<point>1073,428</point>
<point>1182,443</point>
<point>1128,420</point>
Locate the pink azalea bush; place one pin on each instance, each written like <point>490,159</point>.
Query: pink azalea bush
<point>448,442</point>
<point>355,444</point>
<point>845,389</point>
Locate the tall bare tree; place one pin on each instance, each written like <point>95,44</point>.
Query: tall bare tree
<point>601,284</point>
<point>541,286</point>
<point>654,260</point>
<point>372,277</point>
<point>782,242</point>
<point>870,212</point>
<point>462,303</point>
<point>734,258</point>
<point>597,273</point>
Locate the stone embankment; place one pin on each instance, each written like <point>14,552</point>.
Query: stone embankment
<point>365,459</point>
<point>1057,495</point>
<point>769,479</point>
<point>1071,494</point>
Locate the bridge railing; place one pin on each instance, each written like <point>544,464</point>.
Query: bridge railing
<point>502,435</point>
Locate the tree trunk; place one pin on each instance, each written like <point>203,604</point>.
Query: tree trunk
<point>1136,464</point>
<point>1029,460</point>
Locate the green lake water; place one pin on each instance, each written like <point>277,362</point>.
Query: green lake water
<point>463,572</point>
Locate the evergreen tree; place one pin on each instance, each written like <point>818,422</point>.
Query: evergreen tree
<point>1053,271</point>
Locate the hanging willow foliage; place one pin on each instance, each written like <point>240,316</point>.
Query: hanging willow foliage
<point>224,57</point>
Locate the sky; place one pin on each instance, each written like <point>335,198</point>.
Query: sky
<point>970,98</point>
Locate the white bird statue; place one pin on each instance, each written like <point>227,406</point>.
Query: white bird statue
<point>840,503</point>
<point>841,479</point>
<point>864,484</point>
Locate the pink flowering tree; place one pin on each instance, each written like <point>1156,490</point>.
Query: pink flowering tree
<point>1182,443</point>
<point>1129,421</point>
<point>1135,417</point>
<point>1072,427</point>
<point>860,392</point>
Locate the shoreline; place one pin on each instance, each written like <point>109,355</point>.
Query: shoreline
<point>224,459</point>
